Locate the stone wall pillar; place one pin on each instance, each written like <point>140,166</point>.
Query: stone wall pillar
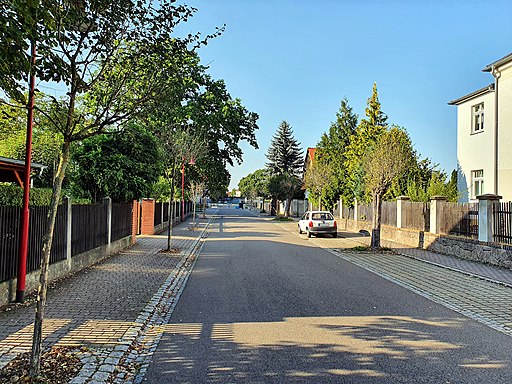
<point>107,202</point>
<point>148,217</point>
<point>485,216</point>
<point>135,220</point>
<point>69,215</point>
<point>400,211</point>
<point>435,213</point>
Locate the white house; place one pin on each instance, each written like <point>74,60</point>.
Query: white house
<point>484,136</point>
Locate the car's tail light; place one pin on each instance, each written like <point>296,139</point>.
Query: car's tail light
<point>310,224</point>
<point>335,223</point>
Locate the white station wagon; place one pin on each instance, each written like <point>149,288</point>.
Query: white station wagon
<point>318,222</point>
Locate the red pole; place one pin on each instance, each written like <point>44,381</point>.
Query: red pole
<point>182,191</point>
<point>25,214</point>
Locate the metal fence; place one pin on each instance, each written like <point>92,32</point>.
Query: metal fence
<point>9,239</point>
<point>88,227</point>
<point>502,222</point>
<point>121,220</point>
<point>157,219</point>
<point>459,219</point>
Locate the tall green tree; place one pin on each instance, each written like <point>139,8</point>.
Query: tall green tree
<point>367,134</point>
<point>46,142</point>
<point>388,159</point>
<point>255,184</point>
<point>111,58</point>
<point>120,165</point>
<point>331,152</point>
<point>285,164</point>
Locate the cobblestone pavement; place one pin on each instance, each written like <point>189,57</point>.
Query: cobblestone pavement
<point>107,307</point>
<point>480,299</point>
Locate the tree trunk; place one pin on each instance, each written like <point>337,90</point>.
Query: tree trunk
<point>273,207</point>
<point>288,205</point>
<point>35,358</point>
<point>171,219</point>
<point>377,205</point>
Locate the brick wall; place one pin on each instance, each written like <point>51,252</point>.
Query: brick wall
<point>135,220</point>
<point>148,212</point>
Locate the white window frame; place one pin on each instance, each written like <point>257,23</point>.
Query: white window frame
<point>477,118</point>
<point>477,183</point>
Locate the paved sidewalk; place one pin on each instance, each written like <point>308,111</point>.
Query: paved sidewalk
<point>105,307</point>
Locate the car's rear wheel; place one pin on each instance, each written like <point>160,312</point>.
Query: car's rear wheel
<point>335,234</point>
<point>300,230</point>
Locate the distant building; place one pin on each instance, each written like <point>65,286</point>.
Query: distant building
<point>310,158</point>
<point>484,136</point>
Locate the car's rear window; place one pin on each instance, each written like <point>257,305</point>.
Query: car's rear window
<point>322,216</point>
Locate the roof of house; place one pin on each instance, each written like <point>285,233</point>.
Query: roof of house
<point>310,153</point>
<point>497,63</point>
<point>13,170</point>
<point>472,95</point>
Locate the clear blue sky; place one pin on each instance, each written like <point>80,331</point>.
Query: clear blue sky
<point>295,60</point>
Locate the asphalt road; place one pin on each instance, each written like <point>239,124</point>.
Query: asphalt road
<point>265,306</point>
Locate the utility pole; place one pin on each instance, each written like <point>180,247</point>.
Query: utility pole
<point>25,213</point>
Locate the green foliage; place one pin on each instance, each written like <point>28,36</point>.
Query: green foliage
<point>437,185</point>
<point>363,140</point>
<point>46,143</point>
<point>284,154</point>
<point>388,161</point>
<point>122,165</point>
<point>12,195</point>
<point>318,176</point>
<point>255,184</point>
<point>331,152</point>
<point>282,218</point>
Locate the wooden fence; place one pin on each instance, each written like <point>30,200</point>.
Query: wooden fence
<point>416,215</point>
<point>459,219</point>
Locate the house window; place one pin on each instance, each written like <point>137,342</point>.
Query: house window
<point>477,118</point>
<point>477,182</point>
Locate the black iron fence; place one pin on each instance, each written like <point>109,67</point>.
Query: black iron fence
<point>9,239</point>
<point>121,220</point>
<point>502,222</point>
<point>88,227</point>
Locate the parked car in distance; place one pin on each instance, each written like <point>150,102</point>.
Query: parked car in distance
<point>318,222</point>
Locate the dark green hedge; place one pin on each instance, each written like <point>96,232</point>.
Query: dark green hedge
<point>12,195</point>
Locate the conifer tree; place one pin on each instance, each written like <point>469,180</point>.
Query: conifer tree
<point>331,152</point>
<point>285,163</point>
<point>284,154</point>
<point>365,137</point>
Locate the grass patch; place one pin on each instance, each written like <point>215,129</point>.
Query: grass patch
<point>361,248</point>
<point>282,218</point>
<point>365,248</point>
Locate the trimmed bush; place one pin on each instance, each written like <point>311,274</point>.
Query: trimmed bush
<point>12,195</point>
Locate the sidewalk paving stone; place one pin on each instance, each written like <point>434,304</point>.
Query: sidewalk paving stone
<point>103,307</point>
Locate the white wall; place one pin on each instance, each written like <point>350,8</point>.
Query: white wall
<point>475,150</point>
<point>505,132</point>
